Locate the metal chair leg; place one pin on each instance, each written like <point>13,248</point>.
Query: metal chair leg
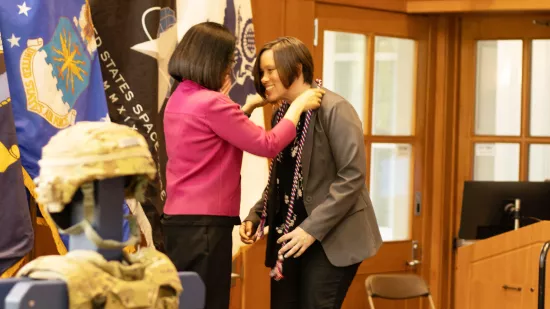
<point>371,303</point>
<point>432,305</point>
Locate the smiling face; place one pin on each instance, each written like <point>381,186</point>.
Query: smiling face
<point>274,88</point>
<point>283,69</point>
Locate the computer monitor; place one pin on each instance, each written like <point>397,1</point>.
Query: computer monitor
<point>484,203</point>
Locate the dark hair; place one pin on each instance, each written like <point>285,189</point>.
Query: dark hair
<point>203,55</point>
<point>290,54</point>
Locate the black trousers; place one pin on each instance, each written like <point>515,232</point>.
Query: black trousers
<point>311,282</point>
<point>205,250</point>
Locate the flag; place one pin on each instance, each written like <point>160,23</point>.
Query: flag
<point>17,237</point>
<point>134,49</point>
<point>236,15</point>
<point>53,74</point>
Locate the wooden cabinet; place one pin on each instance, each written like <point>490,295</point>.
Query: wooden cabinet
<point>502,271</point>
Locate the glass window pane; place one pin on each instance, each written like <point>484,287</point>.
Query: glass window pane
<point>496,162</point>
<point>540,90</point>
<point>393,97</point>
<point>498,87</point>
<point>539,162</point>
<point>344,57</point>
<point>390,189</point>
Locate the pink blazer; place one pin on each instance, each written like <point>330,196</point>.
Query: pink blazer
<point>206,134</point>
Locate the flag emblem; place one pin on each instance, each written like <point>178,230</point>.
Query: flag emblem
<point>54,75</point>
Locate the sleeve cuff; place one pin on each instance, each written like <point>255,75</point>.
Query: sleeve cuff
<point>285,130</point>
<point>254,218</point>
<point>308,227</point>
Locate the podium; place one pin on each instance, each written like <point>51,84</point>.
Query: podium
<point>505,271</point>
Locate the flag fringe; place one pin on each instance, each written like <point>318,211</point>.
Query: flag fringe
<point>12,271</point>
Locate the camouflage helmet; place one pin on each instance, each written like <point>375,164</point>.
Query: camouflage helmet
<point>86,152</point>
<point>89,151</point>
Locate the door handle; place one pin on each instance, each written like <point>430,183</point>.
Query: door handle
<point>513,288</point>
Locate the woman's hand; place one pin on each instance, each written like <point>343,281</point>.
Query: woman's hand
<point>310,99</point>
<point>247,231</point>
<point>298,241</point>
<point>253,102</point>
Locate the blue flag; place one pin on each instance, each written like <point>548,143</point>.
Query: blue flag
<point>17,237</point>
<point>53,74</point>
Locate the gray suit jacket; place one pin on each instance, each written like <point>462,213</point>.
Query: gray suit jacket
<point>340,212</point>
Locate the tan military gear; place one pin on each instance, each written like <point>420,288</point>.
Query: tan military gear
<point>88,151</point>
<point>147,279</point>
<point>91,151</point>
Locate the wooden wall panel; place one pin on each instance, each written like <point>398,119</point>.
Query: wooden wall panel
<point>445,6</point>
<point>269,23</point>
<point>348,19</point>
<point>268,18</point>
<point>299,21</point>
<point>505,26</point>
<point>385,5</point>
<point>256,280</point>
<point>455,6</point>
<point>443,135</point>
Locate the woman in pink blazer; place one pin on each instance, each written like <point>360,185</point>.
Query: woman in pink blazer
<point>206,134</point>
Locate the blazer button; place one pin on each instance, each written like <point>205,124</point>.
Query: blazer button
<point>308,199</point>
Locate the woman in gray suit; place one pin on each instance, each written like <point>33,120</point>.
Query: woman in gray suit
<point>320,217</point>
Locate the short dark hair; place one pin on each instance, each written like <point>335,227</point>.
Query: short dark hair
<point>203,55</point>
<point>289,54</point>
